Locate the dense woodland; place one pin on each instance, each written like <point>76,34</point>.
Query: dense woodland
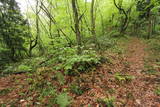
<point>80,53</point>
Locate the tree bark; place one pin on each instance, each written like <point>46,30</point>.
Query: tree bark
<point>76,26</point>
<point>93,24</point>
<point>149,27</point>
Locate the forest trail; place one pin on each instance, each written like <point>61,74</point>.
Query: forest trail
<point>136,55</point>
<point>141,91</point>
<point>143,86</point>
<point>137,92</point>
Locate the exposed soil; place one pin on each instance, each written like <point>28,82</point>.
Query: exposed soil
<point>137,92</point>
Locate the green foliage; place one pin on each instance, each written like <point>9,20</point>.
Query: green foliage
<point>43,88</point>
<point>4,91</point>
<point>4,59</point>
<point>16,68</point>
<point>151,72</point>
<point>48,91</point>
<point>66,59</point>
<point>24,68</point>
<point>13,30</point>
<point>26,65</point>
<point>76,89</point>
<point>157,91</point>
<point>3,105</point>
<point>61,54</point>
<point>80,63</point>
<point>106,43</point>
<point>114,34</point>
<point>111,90</point>
<point>107,102</point>
<point>59,76</point>
<point>117,49</point>
<point>63,100</point>
<point>154,44</point>
<point>8,69</point>
<point>123,77</point>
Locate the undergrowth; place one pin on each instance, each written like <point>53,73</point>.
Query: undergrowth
<point>107,102</point>
<point>123,78</point>
<point>157,91</point>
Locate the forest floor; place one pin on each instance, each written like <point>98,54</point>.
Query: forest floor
<point>127,79</point>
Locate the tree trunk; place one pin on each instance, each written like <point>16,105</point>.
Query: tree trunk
<point>102,23</point>
<point>149,27</point>
<point>76,26</point>
<point>33,43</point>
<point>93,24</point>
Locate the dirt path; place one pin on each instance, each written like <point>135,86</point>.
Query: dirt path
<point>136,55</point>
<point>143,86</point>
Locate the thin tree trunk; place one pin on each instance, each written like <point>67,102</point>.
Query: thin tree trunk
<point>93,24</point>
<point>149,27</point>
<point>76,26</point>
<point>102,24</point>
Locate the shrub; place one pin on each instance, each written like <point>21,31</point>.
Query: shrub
<point>80,63</point>
<point>71,63</point>
<point>106,43</point>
